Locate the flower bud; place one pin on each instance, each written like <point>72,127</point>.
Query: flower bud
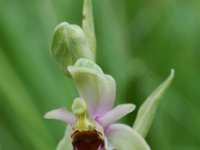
<point>69,43</point>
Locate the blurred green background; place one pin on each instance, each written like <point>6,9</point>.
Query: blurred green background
<point>138,43</point>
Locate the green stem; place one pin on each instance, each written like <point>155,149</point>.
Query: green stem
<point>88,26</point>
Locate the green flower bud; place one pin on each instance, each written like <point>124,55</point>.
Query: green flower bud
<point>69,43</point>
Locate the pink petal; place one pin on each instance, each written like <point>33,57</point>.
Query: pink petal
<point>61,114</point>
<point>115,114</point>
<point>123,137</point>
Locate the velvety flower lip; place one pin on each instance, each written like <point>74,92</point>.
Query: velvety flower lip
<point>88,140</point>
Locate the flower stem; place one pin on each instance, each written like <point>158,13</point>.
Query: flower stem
<point>88,26</point>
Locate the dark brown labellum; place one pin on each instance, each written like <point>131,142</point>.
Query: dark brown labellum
<point>88,140</point>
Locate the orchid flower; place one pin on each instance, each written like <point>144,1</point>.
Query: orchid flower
<point>92,123</point>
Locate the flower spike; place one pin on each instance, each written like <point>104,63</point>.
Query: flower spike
<point>90,126</point>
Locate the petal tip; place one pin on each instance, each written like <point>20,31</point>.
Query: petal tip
<point>172,73</point>
<point>132,107</point>
<point>46,116</point>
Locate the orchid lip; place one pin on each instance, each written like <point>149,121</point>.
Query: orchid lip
<point>85,131</point>
<point>81,140</point>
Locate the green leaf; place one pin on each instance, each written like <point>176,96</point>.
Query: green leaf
<point>148,109</point>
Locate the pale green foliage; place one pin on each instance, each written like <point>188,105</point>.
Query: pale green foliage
<point>148,109</point>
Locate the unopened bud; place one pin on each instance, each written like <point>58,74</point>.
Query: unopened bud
<point>69,43</point>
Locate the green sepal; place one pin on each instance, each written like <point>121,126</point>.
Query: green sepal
<point>95,87</point>
<point>148,109</point>
<point>66,142</point>
<point>123,137</point>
